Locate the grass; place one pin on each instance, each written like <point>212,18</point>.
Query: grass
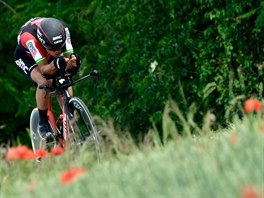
<point>222,164</point>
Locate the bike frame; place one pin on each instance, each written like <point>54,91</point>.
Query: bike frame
<point>63,97</point>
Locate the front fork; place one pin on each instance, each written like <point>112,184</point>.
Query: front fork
<point>65,121</point>
<point>60,134</point>
<point>50,115</point>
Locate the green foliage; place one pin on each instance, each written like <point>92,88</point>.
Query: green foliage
<point>206,53</point>
<point>214,44</point>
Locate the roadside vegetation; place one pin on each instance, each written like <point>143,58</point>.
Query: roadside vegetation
<point>225,163</point>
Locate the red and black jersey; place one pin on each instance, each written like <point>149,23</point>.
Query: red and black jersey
<point>29,45</point>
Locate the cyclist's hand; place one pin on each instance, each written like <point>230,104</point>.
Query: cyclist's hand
<point>60,63</point>
<point>73,63</point>
<point>77,59</point>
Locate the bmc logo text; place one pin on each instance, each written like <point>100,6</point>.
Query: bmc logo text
<point>22,65</point>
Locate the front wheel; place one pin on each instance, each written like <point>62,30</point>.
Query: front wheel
<point>36,142</point>
<point>82,126</point>
<point>34,136</point>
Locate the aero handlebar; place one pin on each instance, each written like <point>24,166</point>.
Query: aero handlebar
<point>65,81</point>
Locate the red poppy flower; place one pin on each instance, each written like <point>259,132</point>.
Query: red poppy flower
<point>249,192</point>
<point>41,153</point>
<point>19,152</point>
<point>71,174</point>
<point>233,139</point>
<point>252,105</point>
<point>12,154</point>
<point>57,150</point>
<point>202,148</point>
<point>32,185</point>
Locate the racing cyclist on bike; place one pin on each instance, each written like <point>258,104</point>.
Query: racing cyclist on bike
<point>44,50</point>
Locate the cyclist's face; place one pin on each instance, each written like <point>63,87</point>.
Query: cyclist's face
<point>54,53</point>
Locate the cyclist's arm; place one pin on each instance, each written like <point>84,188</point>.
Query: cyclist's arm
<point>47,68</point>
<point>50,68</point>
<point>37,52</point>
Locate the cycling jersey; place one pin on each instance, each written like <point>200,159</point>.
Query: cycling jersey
<point>30,51</point>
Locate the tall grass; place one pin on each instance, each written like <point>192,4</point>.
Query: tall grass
<point>207,164</point>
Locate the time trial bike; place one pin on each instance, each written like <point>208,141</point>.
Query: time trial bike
<point>75,125</point>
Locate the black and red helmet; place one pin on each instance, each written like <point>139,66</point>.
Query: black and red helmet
<point>51,33</point>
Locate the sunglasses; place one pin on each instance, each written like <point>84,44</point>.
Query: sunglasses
<point>54,48</point>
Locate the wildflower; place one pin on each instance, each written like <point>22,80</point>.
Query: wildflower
<point>57,150</point>
<point>252,105</point>
<point>32,184</point>
<point>233,139</point>
<point>261,127</point>
<point>153,66</point>
<point>12,154</point>
<point>202,148</point>
<point>19,152</point>
<point>69,175</point>
<point>41,153</point>
<point>249,192</point>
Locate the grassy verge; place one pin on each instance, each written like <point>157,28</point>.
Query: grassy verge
<point>224,164</point>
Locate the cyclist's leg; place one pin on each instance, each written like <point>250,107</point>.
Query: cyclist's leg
<point>70,91</point>
<point>28,67</point>
<point>42,99</point>
<point>41,94</point>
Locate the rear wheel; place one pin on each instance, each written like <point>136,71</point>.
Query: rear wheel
<point>82,127</point>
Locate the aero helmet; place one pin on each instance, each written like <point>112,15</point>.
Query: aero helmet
<point>51,33</point>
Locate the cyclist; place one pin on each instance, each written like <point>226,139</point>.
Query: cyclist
<point>44,51</point>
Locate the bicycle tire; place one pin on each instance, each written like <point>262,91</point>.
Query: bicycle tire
<point>82,126</point>
<point>34,136</point>
<point>36,141</point>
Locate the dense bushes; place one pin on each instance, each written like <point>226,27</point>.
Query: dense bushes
<point>205,52</point>
<point>197,45</point>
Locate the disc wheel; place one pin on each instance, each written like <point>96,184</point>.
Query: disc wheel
<point>82,127</point>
